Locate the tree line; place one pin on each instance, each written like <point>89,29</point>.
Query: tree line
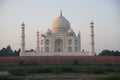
<point>109,53</point>
<point>57,69</point>
<point>9,52</point>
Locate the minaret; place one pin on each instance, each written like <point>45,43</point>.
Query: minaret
<point>22,39</point>
<point>92,52</point>
<point>38,42</point>
<point>79,37</point>
<point>60,12</point>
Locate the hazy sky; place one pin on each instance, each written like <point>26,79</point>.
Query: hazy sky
<point>39,15</point>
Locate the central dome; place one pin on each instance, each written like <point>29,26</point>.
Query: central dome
<point>60,24</point>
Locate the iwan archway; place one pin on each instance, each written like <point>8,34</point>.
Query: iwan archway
<point>58,47</point>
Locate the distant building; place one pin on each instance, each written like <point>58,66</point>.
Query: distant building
<point>60,41</point>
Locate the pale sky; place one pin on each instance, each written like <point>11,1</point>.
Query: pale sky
<point>39,15</point>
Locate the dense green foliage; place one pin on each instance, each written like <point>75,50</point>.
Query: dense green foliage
<point>64,69</point>
<point>5,78</point>
<point>75,62</point>
<point>109,53</point>
<point>111,72</point>
<point>112,77</point>
<point>9,52</point>
<point>18,72</point>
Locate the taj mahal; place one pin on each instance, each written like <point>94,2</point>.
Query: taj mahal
<point>61,40</point>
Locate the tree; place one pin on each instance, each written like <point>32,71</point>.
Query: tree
<point>9,52</point>
<point>6,51</point>
<point>109,53</point>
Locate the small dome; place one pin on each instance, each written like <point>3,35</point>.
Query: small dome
<point>48,31</point>
<point>60,23</point>
<point>70,31</point>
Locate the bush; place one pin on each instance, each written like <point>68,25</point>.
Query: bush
<point>67,68</point>
<point>18,72</point>
<point>32,70</point>
<point>112,77</point>
<point>5,78</point>
<point>93,70</point>
<point>34,63</point>
<point>47,69</point>
<point>75,62</point>
<point>56,70</point>
<point>21,63</point>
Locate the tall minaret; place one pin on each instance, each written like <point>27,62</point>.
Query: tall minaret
<point>22,39</point>
<point>38,42</point>
<point>79,37</point>
<point>92,52</point>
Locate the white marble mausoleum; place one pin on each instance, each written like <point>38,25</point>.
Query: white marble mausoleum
<point>61,40</point>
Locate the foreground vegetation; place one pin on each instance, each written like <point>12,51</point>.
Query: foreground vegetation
<point>24,72</point>
<point>111,77</point>
<point>64,69</point>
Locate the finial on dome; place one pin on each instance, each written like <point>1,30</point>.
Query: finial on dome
<point>92,22</point>
<point>23,24</point>
<point>60,12</point>
<point>37,31</point>
<point>79,31</point>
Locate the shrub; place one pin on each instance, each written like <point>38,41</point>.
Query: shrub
<point>112,77</point>
<point>67,68</point>
<point>56,70</point>
<point>21,63</point>
<point>75,62</point>
<point>18,72</point>
<point>34,63</point>
<point>5,78</point>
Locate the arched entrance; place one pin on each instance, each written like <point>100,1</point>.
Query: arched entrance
<point>58,47</point>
